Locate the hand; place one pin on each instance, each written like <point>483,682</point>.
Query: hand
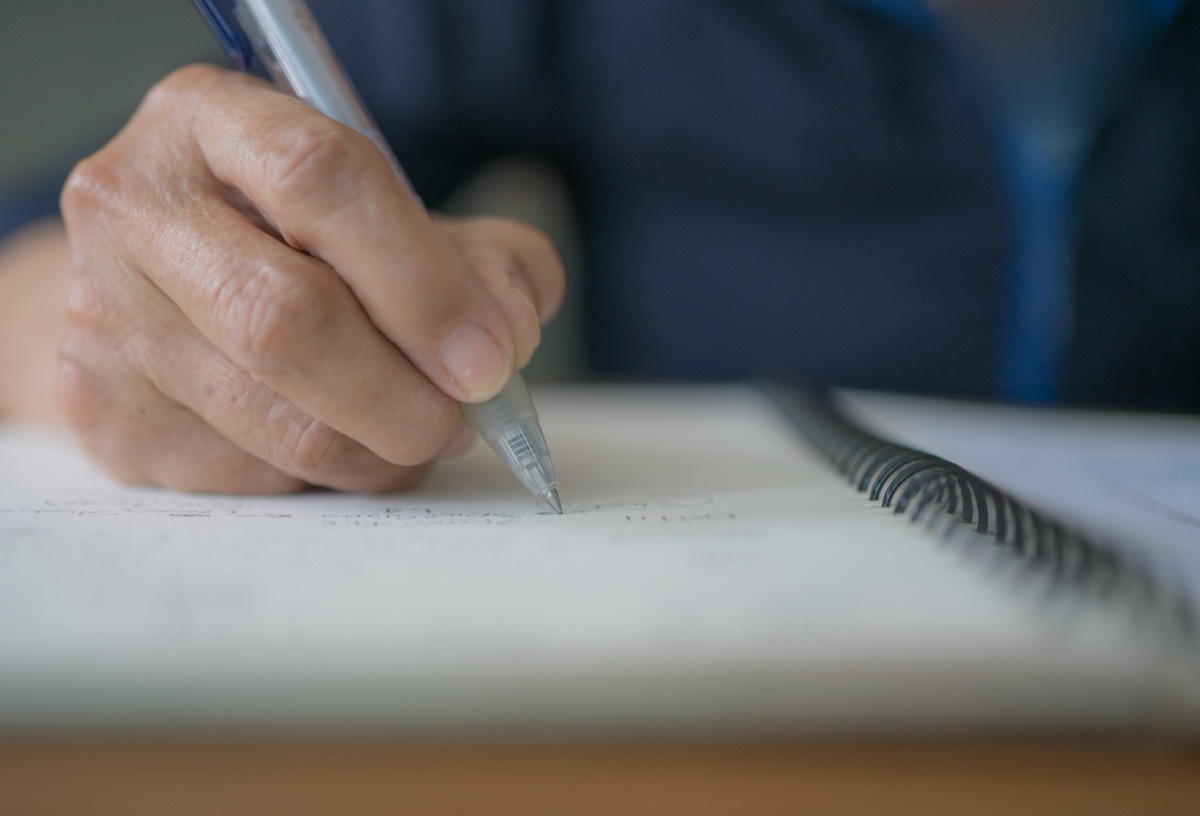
<point>257,304</point>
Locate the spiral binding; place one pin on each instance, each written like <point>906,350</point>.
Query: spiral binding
<point>928,488</point>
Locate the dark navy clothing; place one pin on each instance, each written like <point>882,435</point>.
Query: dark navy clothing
<point>807,189</point>
<point>1137,311</point>
<point>775,188</point>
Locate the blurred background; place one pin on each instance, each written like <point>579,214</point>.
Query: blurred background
<point>72,71</point>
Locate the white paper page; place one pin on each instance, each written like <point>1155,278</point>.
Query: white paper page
<point>1132,480</point>
<point>709,574</point>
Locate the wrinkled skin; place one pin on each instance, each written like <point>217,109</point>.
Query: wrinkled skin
<point>255,303</point>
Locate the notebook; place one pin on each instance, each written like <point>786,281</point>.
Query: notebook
<point>730,563</point>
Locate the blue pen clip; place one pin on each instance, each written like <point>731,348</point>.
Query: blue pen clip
<point>222,19</point>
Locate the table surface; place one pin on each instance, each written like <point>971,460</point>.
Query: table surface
<point>1011,777</point>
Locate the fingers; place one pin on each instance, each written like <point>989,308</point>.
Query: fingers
<point>331,193</point>
<point>142,438</point>
<point>518,266</point>
<point>288,321</point>
<point>213,430</point>
<point>257,295</point>
<point>273,428</point>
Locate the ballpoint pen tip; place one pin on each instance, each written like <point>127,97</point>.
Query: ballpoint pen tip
<point>553,500</point>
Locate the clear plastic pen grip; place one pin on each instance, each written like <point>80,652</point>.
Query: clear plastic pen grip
<point>509,424</point>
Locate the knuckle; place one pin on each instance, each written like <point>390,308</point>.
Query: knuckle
<point>268,316</point>
<point>305,447</point>
<point>107,195</point>
<point>132,167</point>
<point>312,160</point>
<point>94,184</point>
<point>177,86</point>
<point>116,174</point>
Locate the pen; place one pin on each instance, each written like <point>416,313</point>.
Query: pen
<point>283,36</point>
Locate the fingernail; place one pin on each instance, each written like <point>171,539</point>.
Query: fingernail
<point>475,361</point>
